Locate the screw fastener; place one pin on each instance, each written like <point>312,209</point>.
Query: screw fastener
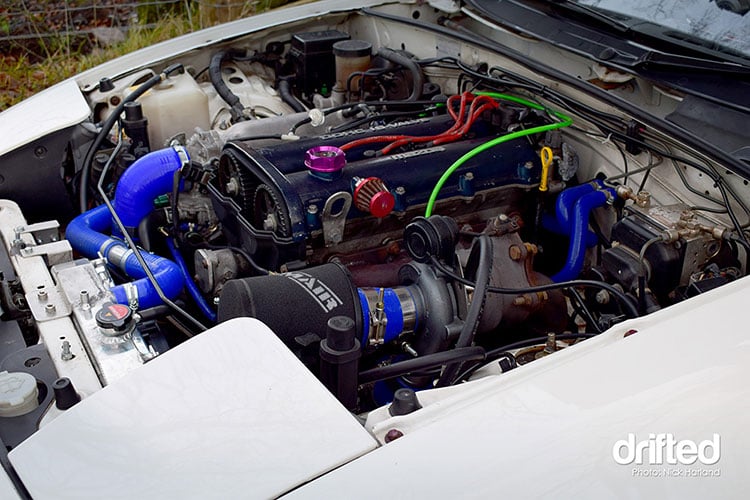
<point>66,355</point>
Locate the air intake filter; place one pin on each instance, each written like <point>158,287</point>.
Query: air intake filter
<point>296,303</point>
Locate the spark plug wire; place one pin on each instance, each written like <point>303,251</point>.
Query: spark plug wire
<point>477,104</point>
<point>564,122</point>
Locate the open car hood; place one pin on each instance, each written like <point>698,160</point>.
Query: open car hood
<point>417,249</point>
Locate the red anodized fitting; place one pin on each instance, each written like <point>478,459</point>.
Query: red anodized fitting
<point>371,195</point>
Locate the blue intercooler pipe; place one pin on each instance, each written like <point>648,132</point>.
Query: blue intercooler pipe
<point>192,288</point>
<point>561,222</point>
<point>392,311</point>
<point>572,210</point>
<point>147,178</point>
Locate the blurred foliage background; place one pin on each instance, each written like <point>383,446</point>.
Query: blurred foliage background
<point>45,41</point>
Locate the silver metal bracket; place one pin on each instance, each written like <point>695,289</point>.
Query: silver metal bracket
<point>333,217</point>
<point>47,303</point>
<point>146,352</point>
<point>43,232</point>
<point>47,242</point>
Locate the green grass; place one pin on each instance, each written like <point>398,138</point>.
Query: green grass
<point>28,68</point>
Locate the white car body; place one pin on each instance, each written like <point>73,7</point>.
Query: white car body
<point>232,413</point>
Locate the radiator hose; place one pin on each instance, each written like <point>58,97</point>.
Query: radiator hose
<point>86,235</point>
<point>150,176</point>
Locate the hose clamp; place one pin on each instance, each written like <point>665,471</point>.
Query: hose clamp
<point>131,292</point>
<point>377,318</point>
<point>104,249</point>
<point>182,154</point>
<point>117,255</point>
<point>610,194</point>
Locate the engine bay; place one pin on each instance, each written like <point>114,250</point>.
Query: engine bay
<point>400,214</point>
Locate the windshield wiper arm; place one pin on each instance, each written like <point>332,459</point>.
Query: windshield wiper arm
<point>664,61</point>
<point>590,13</point>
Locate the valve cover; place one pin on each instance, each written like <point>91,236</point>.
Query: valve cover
<point>278,207</point>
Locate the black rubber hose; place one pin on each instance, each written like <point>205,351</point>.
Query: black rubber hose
<point>409,64</point>
<point>421,363</point>
<point>512,364</point>
<point>173,202</point>
<point>155,312</point>
<point>349,105</point>
<point>469,328</point>
<point>502,352</point>
<point>285,92</point>
<point>214,73</point>
<point>629,308</point>
<point>83,187</point>
<point>536,340</point>
<point>244,255</point>
<point>260,270</point>
<point>746,246</point>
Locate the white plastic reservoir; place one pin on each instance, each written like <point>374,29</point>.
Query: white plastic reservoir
<point>175,106</point>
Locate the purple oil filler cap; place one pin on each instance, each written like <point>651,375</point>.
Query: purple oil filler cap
<point>325,159</point>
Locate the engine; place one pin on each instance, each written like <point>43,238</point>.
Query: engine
<point>398,221</point>
<point>328,195</point>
